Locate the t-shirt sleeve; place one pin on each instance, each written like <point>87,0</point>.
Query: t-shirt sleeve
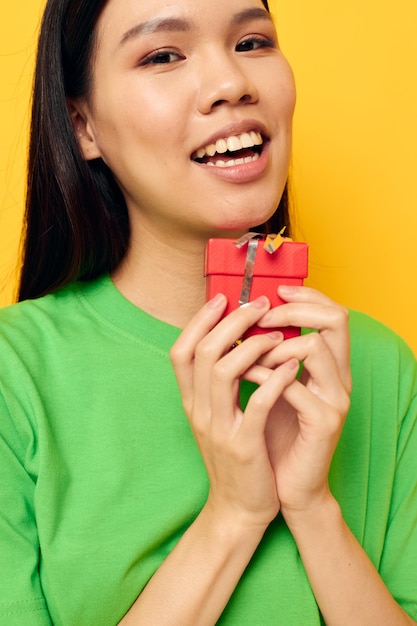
<point>399,560</point>
<point>21,598</point>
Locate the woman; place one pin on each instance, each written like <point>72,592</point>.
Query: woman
<point>222,488</point>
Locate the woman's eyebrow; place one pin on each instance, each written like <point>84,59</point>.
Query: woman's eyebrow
<point>167,24</point>
<point>172,24</point>
<point>248,15</point>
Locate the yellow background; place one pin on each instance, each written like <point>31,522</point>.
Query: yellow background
<point>354,166</point>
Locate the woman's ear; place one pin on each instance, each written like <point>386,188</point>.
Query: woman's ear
<point>83,131</point>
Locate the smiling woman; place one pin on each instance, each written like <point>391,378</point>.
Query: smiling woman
<point>145,74</point>
<point>100,247</point>
<point>146,459</point>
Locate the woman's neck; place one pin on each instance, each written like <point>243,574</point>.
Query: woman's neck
<point>163,277</point>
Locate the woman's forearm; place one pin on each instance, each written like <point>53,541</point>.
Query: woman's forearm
<point>347,587</point>
<point>195,582</point>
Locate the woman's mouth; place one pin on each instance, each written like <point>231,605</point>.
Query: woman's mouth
<point>231,151</point>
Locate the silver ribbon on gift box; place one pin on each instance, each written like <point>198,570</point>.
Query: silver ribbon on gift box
<point>271,244</point>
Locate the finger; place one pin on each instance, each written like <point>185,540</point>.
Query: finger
<point>320,420</point>
<point>294,293</point>
<point>324,377</point>
<point>233,327</point>
<point>317,312</point>
<point>215,344</point>
<point>204,341</point>
<point>264,398</point>
<point>258,373</point>
<point>183,351</point>
<point>229,330</point>
<point>218,386</point>
<point>310,309</point>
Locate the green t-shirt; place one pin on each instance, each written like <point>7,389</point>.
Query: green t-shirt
<point>100,474</point>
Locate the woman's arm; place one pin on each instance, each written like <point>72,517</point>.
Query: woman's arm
<point>347,587</point>
<point>195,582</point>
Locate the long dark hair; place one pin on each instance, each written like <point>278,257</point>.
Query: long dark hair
<point>76,223</point>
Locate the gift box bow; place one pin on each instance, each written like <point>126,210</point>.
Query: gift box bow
<point>271,255</point>
<point>271,243</point>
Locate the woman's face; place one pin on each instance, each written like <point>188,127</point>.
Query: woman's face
<point>191,109</point>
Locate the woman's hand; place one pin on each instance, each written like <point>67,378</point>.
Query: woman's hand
<point>243,483</point>
<point>304,427</point>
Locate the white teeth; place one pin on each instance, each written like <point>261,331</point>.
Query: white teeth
<point>231,144</point>
<point>257,138</point>
<point>233,162</point>
<point>247,140</point>
<point>234,144</point>
<point>221,146</point>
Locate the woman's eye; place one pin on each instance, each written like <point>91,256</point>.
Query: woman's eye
<point>254,43</point>
<point>161,57</point>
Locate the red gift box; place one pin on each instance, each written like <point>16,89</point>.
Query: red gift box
<point>226,265</point>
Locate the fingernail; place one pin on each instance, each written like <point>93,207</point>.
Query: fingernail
<point>287,290</point>
<point>293,364</point>
<point>218,300</point>
<point>277,335</point>
<point>260,303</point>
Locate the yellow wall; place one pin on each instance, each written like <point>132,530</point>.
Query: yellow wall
<point>354,149</point>
<point>18,25</point>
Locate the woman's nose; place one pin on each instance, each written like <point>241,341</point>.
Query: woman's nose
<point>226,81</point>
